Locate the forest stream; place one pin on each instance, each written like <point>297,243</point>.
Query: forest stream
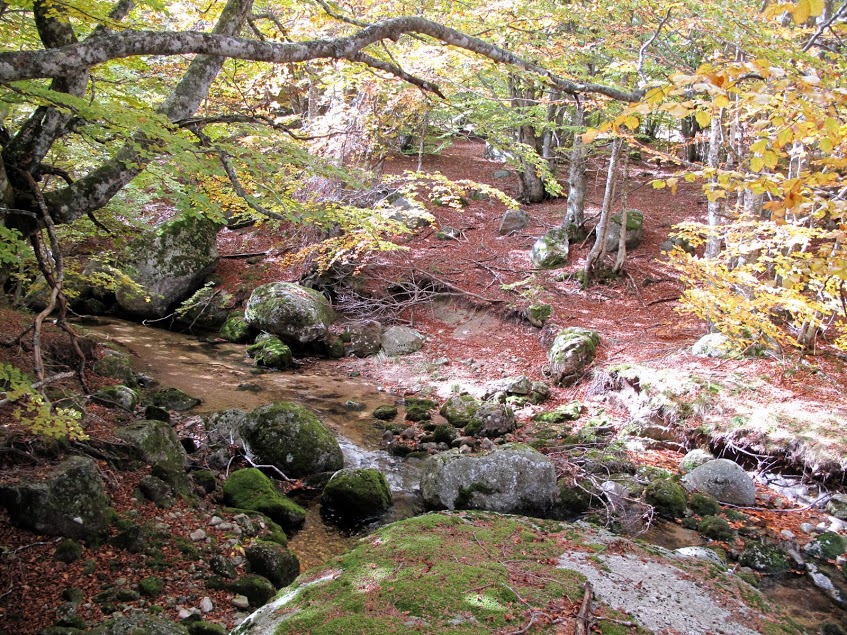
<point>223,377</point>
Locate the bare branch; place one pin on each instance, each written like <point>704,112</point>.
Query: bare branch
<point>373,62</point>
<point>647,44</point>
<point>823,27</point>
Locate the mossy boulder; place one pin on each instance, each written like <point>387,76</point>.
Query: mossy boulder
<point>725,480</point>
<point>444,433</point>
<point>551,250</point>
<point>574,500</point>
<point>355,496</point>
<point>570,354</point>
<point>401,340</point>
<point>667,497</point>
<point>537,314</point>
<point>168,264</point>
<point>764,558</point>
<point>418,409</point>
<point>139,624</point>
<point>511,479</point>
<point>827,546</point>
<point>251,489</point>
<point>567,412</point>
<point>173,399</point>
<point>236,329</point>
<point>491,420</point>
<point>203,627</point>
<point>716,528</point>
<point>70,501</point>
<point>459,410</point>
<point>256,588</point>
<point>117,366</point>
<point>704,505</point>
<point>68,550</point>
<point>292,438</point>
<point>634,230</point>
<point>122,397</point>
<point>291,311</point>
<point>385,413</point>
<point>274,562</point>
<point>271,352</point>
<point>694,459</point>
<point>158,446</point>
<point>365,338</point>
<point>152,586</point>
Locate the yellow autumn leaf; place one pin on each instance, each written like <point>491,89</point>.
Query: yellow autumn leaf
<point>632,122</point>
<point>678,110</point>
<point>703,118</point>
<point>659,184</point>
<point>721,101</point>
<point>770,158</point>
<point>831,125</point>
<point>690,177</point>
<point>801,12</point>
<point>816,8</point>
<point>655,95</point>
<point>759,146</point>
<point>756,164</point>
<point>589,135</point>
<point>672,183</point>
<point>784,137</point>
<point>825,145</point>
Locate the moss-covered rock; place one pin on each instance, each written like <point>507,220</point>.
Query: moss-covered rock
<point>459,410</point>
<point>256,588</point>
<point>202,627</point>
<point>491,420</point>
<point>274,562</point>
<point>251,489</point>
<point>355,496</point>
<point>551,250</point>
<point>827,546</point>
<point>139,624</point>
<point>571,352</point>
<point>418,409</point>
<point>159,447</point>
<point>173,399</point>
<point>574,500</point>
<point>716,528</point>
<point>634,230</point>
<point>764,558</point>
<point>122,397</point>
<point>236,329</point>
<point>385,413</point>
<point>271,352</point>
<point>68,550</point>
<point>290,311</point>
<point>567,412</point>
<point>293,439</point>
<point>667,497</point>
<point>704,505</point>
<point>537,314</point>
<point>444,433</point>
<point>151,586</point>
<point>117,366</point>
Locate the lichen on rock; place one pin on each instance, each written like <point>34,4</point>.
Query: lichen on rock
<point>291,311</point>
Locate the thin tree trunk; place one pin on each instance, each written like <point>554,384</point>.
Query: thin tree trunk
<point>622,184</point>
<point>602,228</point>
<point>577,181</point>
<point>715,207</point>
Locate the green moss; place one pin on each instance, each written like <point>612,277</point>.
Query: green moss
<point>68,550</point>
<point>704,505</point>
<point>251,489</point>
<point>173,399</point>
<point>151,586</point>
<point>764,558</point>
<point>444,433</point>
<point>203,627</point>
<point>271,352</point>
<point>385,413</point>
<point>828,546</point>
<point>459,410</point>
<point>667,497</point>
<point>257,589</point>
<point>567,412</point>
<point>354,496</point>
<point>716,528</point>
<point>236,329</point>
<point>419,409</point>
<point>634,219</point>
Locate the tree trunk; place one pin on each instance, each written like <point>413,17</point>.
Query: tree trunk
<point>715,207</point>
<point>602,228</point>
<point>621,183</point>
<point>577,179</point>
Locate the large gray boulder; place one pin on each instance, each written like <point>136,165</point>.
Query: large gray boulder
<point>365,338</point>
<point>157,444</point>
<point>401,340</point>
<point>724,480</point>
<point>570,353</point>
<point>513,220</point>
<point>356,495</point>
<point>168,264</point>
<point>491,419</point>
<point>634,230</point>
<point>291,311</point>
<point>513,479</point>
<point>71,501</point>
<point>292,438</point>
<point>551,250</point>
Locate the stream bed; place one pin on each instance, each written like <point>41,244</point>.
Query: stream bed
<point>222,376</point>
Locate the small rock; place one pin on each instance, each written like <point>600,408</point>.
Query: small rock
<point>197,535</point>
<point>215,521</point>
<point>807,528</point>
<point>787,534</point>
<point>184,614</point>
<point>206,605</point>
<point>241,602</point>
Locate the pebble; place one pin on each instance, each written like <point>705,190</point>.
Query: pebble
<point>206,605</point>
<point>807,528</point>
<point>787,534</point>
<point>197,535</point>
<point>240,602</point>
<point>237,561</point>
<point>216,520</point>
<point>226,526</point>
<point>821,527</point>
<point>184,614</point>
<point>120,582</point>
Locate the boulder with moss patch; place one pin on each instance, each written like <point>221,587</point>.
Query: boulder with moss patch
<point>827,546</point>
<point>271,352</point>
<point>365,338</point>
<point>764,558</point>
<point>571,353</point>
<point>158,445</point>
<point>292,438</point>
<point>551,250</point>
<point>250,489</point>
<point>716,528</point>
<point>385,413</point>
<point>274,562</point>
<point>567,412</point>
<point>724,480</point>
<point>634,230</point>
<point>355,496</point>
<point>401,340</point>
<point>291,311</point>
<point>667,497</point>
<point>513,479</point>
<point>236,329</point>
<point>174,399</point>
<point>418,409</point>
<point>122,397</point>
<point>70,501</point>
<point>491,420</point>
<point>138,624</point>
<point>117,366</point>
<point>168,264</point>
<point>256,588</point>
<point>459,410</point>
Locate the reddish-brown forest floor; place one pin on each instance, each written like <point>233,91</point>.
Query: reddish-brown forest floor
<point>635,315</point>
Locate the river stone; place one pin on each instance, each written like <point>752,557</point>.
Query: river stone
<point>122,397</point>
<point>356,495</point>
<point>513,220</point>
<point>236,329</point>
<point>459,410</point>
<point>223,428</point>
<point>159,446</point>
<point>401,340</point>
<point>256,588</point>
<point>724,480</point>
<point>694,459</point>
<point>365,338</point>
<point>274,562</point>
<point>117,366</point>
<point>174,399</point>
<point>291,311</point>
<point>828,546</point>
<point>70,501</point>
<point>140,623</point>
<point>712,345</point>
<point>570,353</point>
<point>837,506</point>
<point>293,439</point>
<point>168,264</point>
<point>634,230</point>
<point>699,553</point>
<point>271,352</point>
<point>513,479</point>
<point>551,250</point>
<point>491,420</point>
<point>250,489</point>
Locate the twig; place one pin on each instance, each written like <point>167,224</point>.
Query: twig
<point>584,617</point>
<point>661,300</point>
<point>249,254</point>
<point>824,27</point>
<point>42,383</point>
<point>268,467</point>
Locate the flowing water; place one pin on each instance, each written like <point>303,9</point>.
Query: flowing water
<point>223,377</point>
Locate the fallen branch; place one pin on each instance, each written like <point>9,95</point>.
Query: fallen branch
<point>249,254</point>
<point>584,618</point>
<point>41,384</point>
<point>660,300</point>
